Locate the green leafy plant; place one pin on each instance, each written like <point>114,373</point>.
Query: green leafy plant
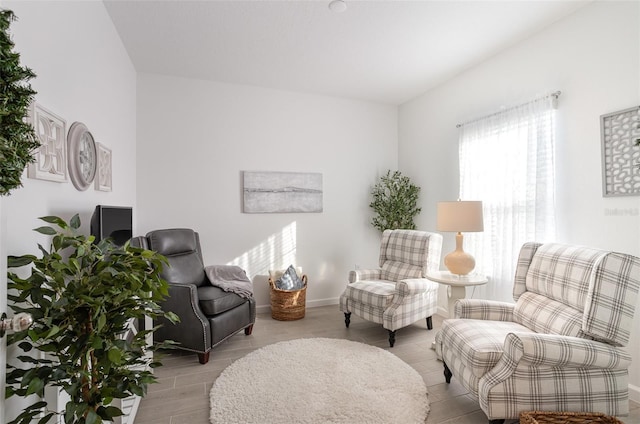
<point>17,137</point>
<point>83,297</point>
<point>395,201</point>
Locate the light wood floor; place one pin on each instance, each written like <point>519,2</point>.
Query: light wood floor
<point>182,394</point>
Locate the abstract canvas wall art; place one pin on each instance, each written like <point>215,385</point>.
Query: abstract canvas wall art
<point>282,192</point>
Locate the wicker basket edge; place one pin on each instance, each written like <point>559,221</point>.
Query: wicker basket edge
<point>544,417</point>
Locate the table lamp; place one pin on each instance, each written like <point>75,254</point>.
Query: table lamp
<point>460,216</point>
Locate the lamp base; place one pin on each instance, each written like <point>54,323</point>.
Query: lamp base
<point>459,262</point>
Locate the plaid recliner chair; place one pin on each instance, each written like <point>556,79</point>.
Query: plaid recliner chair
<point>396,294</point>
<point>560,347</point>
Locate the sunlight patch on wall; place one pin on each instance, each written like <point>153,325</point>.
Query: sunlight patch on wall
<point>277,251</point>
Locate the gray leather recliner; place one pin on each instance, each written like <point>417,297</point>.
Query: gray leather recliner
<point>208,315</point>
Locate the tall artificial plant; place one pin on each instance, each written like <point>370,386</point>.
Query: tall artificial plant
<point>84,297</point>
<point>394,202</point>
<point>17,137</point>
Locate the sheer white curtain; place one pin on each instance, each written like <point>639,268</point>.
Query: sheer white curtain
<point>507,162</point>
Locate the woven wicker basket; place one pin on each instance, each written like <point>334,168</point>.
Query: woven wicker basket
<point>536,417</point>
<point>288,305</point>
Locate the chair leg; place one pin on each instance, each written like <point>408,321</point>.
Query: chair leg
<point>347,319</point>
<point>392,338</point>
<point>248,330</point>
<point>447,373</point>
<point>203,357</point>
<point>429,323</point>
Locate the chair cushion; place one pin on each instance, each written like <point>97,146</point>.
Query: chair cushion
<point>408,246</point>
<point>274,274</point>
<point>185,269</point>
<point>214,301</point>
<point>394,271</point>
<point>289,280</point>
<point>181,248</point>
<point>173,241</point>
<point>563,273</point>
<point>544,315</point>
<point>375,293</point>
<point>476,343</point>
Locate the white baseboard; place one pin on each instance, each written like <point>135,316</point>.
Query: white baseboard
<point>634,393</point>
<point>263,308</point>
<point>323,302</point>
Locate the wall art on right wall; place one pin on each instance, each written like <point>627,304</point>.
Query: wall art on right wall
<point>620,155</point>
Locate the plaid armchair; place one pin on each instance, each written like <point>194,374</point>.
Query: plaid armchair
<point>396,294</point>
<point>560,347</point>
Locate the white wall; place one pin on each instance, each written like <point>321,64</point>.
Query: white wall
<point>196,137</point>
<point>593,57</point>
<point>83,74</point>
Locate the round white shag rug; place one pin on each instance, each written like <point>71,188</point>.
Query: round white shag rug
<point>319,380</point>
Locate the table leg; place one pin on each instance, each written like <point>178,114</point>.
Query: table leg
<point>454,293</point>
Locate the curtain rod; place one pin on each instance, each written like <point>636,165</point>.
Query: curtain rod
<point>555,95</point>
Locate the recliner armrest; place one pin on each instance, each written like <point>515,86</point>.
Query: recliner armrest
<point>364,274</point>
<point>490,310</point>
<point>552,350</point>
<point>412,286</point>
<point>192,332</point>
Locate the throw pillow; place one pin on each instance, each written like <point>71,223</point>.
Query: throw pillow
<point>289,280</point>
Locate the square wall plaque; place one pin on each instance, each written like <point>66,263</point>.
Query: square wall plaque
<point>103,173</point>
<point>51,157</point>
<point>620,155</point>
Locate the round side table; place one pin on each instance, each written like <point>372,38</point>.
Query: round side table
<point>457,285</point>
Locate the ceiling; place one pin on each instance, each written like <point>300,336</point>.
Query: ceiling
<point>383,51</point>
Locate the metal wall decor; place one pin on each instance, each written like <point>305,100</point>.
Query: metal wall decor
<point>282,192</point>
<point>51,157</point>
<point>103,173</point>
<point>620,156</point>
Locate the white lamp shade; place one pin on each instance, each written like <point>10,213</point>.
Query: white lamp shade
<point>461,216</point>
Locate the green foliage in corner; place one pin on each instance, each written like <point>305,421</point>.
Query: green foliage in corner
<point>83,297</point>
<point>17,137</point>
<point>395,201</point>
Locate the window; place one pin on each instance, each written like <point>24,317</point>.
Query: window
<point>507,161</point>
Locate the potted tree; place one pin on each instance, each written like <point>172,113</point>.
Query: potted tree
<point>17,137</point>
<point>394,202</point>
<point>83,297</point>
